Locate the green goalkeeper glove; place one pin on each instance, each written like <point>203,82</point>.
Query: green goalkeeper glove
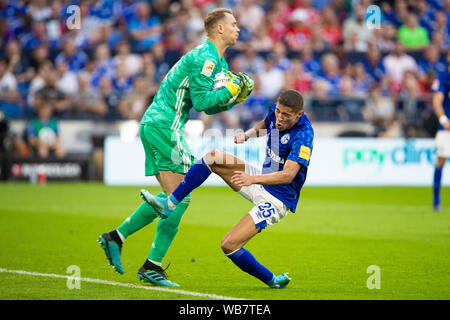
<point>235,84</point>
<point>246,89</point>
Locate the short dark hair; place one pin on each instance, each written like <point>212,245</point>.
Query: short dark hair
<point>292,99</point>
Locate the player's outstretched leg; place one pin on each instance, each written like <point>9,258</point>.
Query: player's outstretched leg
<point>196,175</point>
<point>112,245</point>
<point>245,261</point>
<point>232,246</point>
<point>153,273</point>
<point>159,204</point>
<point>280,281</point>
<point>166,231</point>
<point>112,242</point>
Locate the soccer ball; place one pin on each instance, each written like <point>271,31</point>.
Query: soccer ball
<point>47,135</point>
<point>220,80</point>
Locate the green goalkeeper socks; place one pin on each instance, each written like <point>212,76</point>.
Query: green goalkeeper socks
<point>166,231</point>
<point>143,215</point>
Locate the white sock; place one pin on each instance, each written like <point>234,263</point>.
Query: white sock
<point>120,236</point>
<point>170,204</point>
<point>154,262</point>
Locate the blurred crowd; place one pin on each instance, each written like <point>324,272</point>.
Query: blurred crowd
<point>110,66</point>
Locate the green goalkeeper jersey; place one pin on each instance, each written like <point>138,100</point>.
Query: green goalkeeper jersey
<point>190,83</point>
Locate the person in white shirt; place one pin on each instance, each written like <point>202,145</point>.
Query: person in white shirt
<point>397,62</point>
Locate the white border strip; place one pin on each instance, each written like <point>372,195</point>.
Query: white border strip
<point>121,284</point>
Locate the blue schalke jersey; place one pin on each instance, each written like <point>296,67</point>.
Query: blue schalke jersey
<point>442,84</point>
<point>294,144</point>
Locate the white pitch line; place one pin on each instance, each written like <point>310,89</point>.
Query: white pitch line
<point>121,284</point>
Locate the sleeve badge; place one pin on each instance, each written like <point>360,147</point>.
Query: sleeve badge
<point>208,68</point>
<point>305,153</point>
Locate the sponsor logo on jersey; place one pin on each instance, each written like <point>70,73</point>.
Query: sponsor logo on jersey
<point>274,156</point>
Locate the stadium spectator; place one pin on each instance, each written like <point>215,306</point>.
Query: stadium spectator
<point>331,28</point>
<point>362,81</point>
<point>104,65</point>
<point>254,108</point>
<point>106,34</point>
<point>6,34</point>
<point>39,10</point>
<point>178,27</point>
<point>310,62</point>
<point>145,29</point>
<point>160,59</point>
<point>88,101</point>
<point>412,35</point>
<point>431,61</point>
<point>36,37</point>
<point>55,24</point>
<point>110,98</point>
<point>122,82</point>
<point>9,96</point>
<point>397,14</point>
<point>380,111</point>
<point>330,73</point>
<point>279,57</point>
<point>66,81</point>
<point>312,13</point>
<point>384,38</point>
<point>409,105</point>
<point>262,39</point>
<point>132,61</point>
<point>373,64</point>
<point>161,9</point>
<point>297,78</point>
<point>275,20</point>
<point>322,107</point>
<point>340,9</point>
<point>90,24</point>
<point>148,70</point>
<point>298,31</point>
<point>425,14</point>
<point>441,32</point>
<point>343,58</point>
<point>49,94</point>
<point>250,15</point>
<point>396,63</point>
<point>17,65</point>
<point>250,61</point>
<point>355,31</point>
<point>39,56</point>
<point>125,10</point>
<point>272,79</point>
<point>136,102</point>
<point>348,105</point>
<point>43,134</point>
<point>37,82</point>
<point>317,41</point>
<point>75,58</point>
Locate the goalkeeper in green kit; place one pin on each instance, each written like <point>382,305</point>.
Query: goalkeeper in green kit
<point>200,79</point>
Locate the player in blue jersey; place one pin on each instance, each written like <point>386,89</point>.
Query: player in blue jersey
<point>274,190</point>
<point>441,106</point>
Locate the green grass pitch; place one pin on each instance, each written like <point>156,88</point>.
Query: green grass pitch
<point>327,246</point>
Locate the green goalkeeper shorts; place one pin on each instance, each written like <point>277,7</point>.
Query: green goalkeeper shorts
<point>165,150</point>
